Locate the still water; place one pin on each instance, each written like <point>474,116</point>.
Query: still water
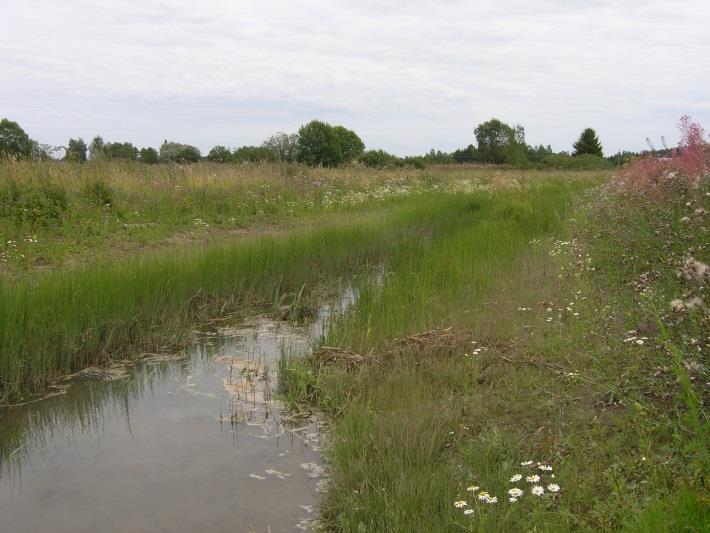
<point>170,444</point>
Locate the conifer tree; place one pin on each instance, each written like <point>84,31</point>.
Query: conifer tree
<point>588,143</point>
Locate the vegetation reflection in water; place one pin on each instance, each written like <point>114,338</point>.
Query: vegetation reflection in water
<point>232,367</point>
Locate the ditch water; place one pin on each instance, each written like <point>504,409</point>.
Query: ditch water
<point>170,444</point>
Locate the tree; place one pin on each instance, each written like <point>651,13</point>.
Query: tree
<point>318,145</point>
<point>120,151</point>
<point>466,155</point>
<point>494,138</point>
<point>179,153</point>
<point>96,148</point>
<point>283,145</point>
<point>588,143</point>
<point>220,154</point>
<point>76,150</point>
<point>351,146</point>
<point>14,142</point>
<point>148,155</point>
<point>42,152</point>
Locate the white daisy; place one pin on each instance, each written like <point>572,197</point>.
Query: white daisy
<point>460,504</point>
<point>515,492</point>
<point>516,478</point>
<point>547,468</point>
<point>512,500</point>
<point>472,488</point>
<point>494,499</point>
<point>484,496</point>
<point>468,512</point>
<point>526,463</point>
<point>532,479</point>
<point>538,490</point>
<point>553,487</point>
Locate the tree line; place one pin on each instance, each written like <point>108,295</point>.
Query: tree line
<point>318,143</point>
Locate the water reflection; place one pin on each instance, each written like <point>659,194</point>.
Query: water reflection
<point>169,444</point>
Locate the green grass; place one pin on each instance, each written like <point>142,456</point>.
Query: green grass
<point>57,214</point>
<point>65,320</point>
<point>556,382</point>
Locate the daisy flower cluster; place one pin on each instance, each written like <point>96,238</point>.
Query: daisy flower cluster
<point>477,494</point>
<point>537,485</point>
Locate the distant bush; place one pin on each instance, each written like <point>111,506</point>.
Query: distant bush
<point>253,154</point>
<point>380,159</point>
<point>219,154</point>
<point>179,153</point>
<point>580,162</point>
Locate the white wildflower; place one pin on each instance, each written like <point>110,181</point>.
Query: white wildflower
<point>516,478</point>
<point>553,487</point>
<point>526,463</point>
<point>468,512</point>
<point>472,488</point>
<point>515,492</point>
<point>460,504</point>
<point>533,479</point>
<point>538,490</point>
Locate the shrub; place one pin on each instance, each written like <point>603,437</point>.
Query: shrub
<point>660,177</point>
<point>99,194</point>
<point>580,162</point>
<point>33,204</point>
<point>380,159</point>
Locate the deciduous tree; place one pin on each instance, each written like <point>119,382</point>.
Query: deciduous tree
<point>14,142</point>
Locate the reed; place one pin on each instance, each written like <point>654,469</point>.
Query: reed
<point>60,321</point>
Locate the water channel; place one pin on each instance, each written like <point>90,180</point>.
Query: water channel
<point>170,444</point>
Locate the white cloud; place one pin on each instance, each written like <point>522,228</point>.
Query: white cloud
<point>405,75</point>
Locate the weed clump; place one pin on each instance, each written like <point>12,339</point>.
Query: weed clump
<point>665,178</point>
<point>98,194</point>
<point>32,204</point>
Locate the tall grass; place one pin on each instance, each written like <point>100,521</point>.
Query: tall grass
<point>395,453</point>
<point>58,214</point>
<point>64,320</point>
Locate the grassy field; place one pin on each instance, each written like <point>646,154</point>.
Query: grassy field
<point>536,317</point>
<point>521,344</point>
<point>59,214</point>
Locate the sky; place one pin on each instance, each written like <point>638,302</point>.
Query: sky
<point>406,75</point>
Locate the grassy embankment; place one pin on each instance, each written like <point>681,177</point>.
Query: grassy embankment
<point>64,320</point>
<point>553,356</point>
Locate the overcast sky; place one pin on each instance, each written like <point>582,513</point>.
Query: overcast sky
<point>407,76</point>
